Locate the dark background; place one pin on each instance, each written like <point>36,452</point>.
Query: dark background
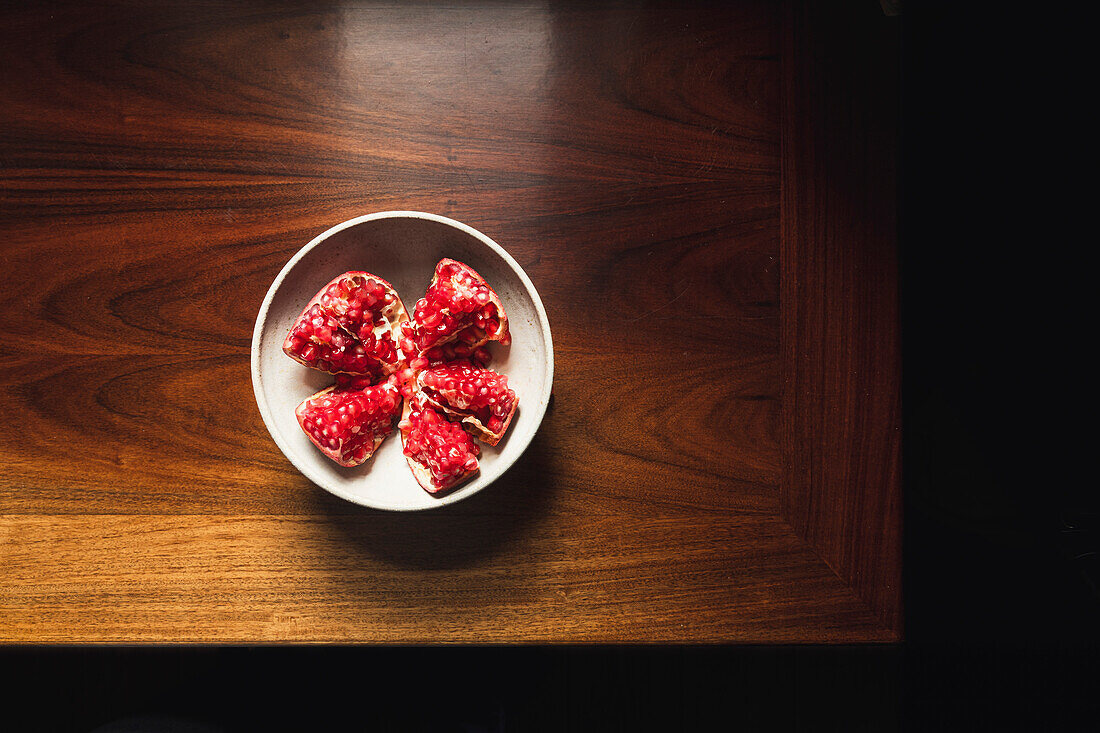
<point>1001,542</point>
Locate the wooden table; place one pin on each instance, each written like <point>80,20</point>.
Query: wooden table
<point>704,198</point>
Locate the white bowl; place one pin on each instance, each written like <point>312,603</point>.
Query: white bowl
<point>403,247</point>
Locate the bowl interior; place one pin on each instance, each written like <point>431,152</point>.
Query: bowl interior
<point>402,248</point>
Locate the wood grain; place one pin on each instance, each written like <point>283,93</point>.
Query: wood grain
<point>159,163</point>
<point>334,579</point>
<point>842,353</point>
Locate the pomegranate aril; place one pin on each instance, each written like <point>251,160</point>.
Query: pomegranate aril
<point>348,423</point>
<point>442,448</point>
<point>480,397</point>
<point>456,298</point>
<point>348,328</point>
<point>482,355</point>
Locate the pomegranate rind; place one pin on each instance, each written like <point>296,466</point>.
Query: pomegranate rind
<point>421,472</point>
<point>470,335</point>
<point>473,424</point>
<point>304,412</point>
<point>394,314</point>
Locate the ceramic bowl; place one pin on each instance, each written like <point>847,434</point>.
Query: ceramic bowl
<point>402,247</point>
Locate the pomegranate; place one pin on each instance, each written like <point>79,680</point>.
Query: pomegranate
<point>458,307</point>
<point>351,326</point>
<point>357,329</point>
<point>440,453</point>
<point>479,397</point>
<point>349,420</point>
<point>448,353</point>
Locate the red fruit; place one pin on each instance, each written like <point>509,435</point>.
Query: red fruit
<point>348,423</point>
<point>449,354</point>
<point>440,453</point>
<point>357,328</point>
<point>482,355</point>
<point>458,307</point>
<point>353,381</point>
<point>351,326</point>
<point>479,397</point>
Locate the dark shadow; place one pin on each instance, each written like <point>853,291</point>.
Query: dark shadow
<point>456,535</point>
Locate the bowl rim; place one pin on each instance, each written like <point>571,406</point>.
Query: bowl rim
<point>261,322</point>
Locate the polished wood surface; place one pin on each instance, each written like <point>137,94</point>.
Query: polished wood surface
<point>841,344</point>
<point>159,163</point>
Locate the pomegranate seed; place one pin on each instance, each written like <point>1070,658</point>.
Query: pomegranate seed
<point>342,332</point>
<point>346,422</point>
<point>466,390</point>
<point>444,448</point>
<point>456,298</point>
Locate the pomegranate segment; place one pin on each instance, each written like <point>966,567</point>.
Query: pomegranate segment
<point>479,397</point>
<point>351,326</point>
<point>348,422</point>
<point>458,307</point>
<point>440,453</point>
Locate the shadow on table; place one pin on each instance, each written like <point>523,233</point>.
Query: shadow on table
<point>460,534</point>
